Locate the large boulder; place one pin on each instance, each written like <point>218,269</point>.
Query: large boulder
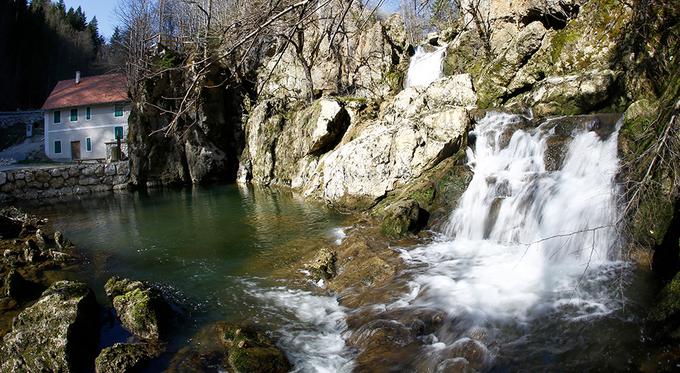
<point>571,94</point>
<point>56,334</point>
<point>141,308</point>
<point>416,131</point>
<point>276,146</point>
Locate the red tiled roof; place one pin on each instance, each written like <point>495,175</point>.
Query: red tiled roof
<point>98,89</point>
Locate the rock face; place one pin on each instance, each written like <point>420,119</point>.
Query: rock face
<point>274,147</point>
<point>370,63</point>
<point>58,333</point>
<point>208,137</point>
<point>554,56</point>
<point>414,131</point>
<point>235,348</point>
<point>142,309</point>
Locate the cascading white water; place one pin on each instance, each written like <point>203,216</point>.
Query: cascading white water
<point>312,331</point>
<point>523,239</point>
<point>425,67</point>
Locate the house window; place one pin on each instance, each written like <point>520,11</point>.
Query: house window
<point>57,116</point>
<point>57,147</point>
<point>74,115</point>
<point>88,113</point>
<point>88,144</point>
<point>118,133</point>
<point>118,110</point>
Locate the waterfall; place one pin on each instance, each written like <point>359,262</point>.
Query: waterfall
<point>525,238</point>
<point>425,67</point>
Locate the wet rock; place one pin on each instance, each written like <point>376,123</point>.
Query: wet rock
<point>40,239</point>
<point>362,267</point>
<point>602,124</point>
<point>15,286</point>
<point>473,351</point>
<point>59,240</point>
<point>56,334</point>
<point>323,265</point>
<point>402,217</point>
<point>32,252</point>
<point>572,94</point>
<point>383,343</point>
<point>124,357</point>
<point>555,152</point>
<point>231,347</point>
<point>141,308</point>
<point>9,227</point>
<point>382,332</point>
<point>455,365</point>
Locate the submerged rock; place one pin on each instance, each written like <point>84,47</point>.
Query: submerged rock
<point>58,333</point>
<point>141,308</point>
<point>231,347</point>
<point>124,357</point>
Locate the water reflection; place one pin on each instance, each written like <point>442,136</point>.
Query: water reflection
<point>201,242</point>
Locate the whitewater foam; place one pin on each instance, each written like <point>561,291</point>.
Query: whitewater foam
<point>425,67</point>
<point>312,335</point>
<point>523,239</point>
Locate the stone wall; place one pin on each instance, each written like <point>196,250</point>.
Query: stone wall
<point>63,180</point>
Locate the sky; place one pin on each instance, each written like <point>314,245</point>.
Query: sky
<point>103,9</point>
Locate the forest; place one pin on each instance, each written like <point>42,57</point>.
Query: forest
<point>41,43</point>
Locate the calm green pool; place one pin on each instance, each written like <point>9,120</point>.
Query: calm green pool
<point>216,250</point>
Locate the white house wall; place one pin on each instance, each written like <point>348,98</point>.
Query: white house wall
<point>99,128</point>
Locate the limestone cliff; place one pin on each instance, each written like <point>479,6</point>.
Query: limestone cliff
<point>208,137</point>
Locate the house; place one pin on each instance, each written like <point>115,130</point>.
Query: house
<point>86,118</point>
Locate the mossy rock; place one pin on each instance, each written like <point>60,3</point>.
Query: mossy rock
<point>58,333</point>
<point>258,359</point>
<point>141,308</point>
<point>403,217</point>
<point>436,192</point>
<point>225,346</point>
<point>668,305</point>
<point>124,358</point>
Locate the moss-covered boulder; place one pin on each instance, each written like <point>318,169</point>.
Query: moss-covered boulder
<point>141,308</point>
<point>403,217</point>
<point>56,334</point>
<point>124,357</point>
<point>231,347</point>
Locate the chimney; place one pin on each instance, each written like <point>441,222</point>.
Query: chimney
<point>77,77</point>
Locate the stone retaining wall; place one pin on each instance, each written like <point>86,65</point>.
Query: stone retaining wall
<point>64,180</point>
